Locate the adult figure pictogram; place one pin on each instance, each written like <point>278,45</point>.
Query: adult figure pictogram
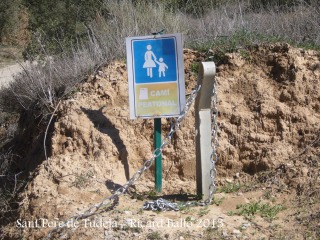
<point>150,59</point>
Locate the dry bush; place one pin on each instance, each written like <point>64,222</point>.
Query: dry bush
<point>42,83</point>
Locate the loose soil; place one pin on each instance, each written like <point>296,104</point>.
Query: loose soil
<point>269,153</point>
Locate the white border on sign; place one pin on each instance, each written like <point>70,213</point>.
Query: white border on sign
<point>180,67</point>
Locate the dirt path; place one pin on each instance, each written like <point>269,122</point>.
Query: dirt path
<point>6,74</point>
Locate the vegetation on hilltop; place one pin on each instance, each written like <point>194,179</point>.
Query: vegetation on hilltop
<point>58,25</point>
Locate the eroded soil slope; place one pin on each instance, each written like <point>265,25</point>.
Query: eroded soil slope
<point>269,115</point>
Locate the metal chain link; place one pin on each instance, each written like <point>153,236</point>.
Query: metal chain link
<point>214,143</point>
<point>112,201</point>
<point>161,205</point>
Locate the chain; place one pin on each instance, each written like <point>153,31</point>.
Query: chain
<point>164,205</point>
<point>110,202</point>
<point>161,205</point>
<point>214,143</point>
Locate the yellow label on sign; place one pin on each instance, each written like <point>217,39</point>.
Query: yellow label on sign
<point>157,99</point>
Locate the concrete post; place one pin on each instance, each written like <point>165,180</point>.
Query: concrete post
<point>203,123</point>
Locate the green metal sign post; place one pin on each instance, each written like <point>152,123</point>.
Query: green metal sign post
<point>158,160</point>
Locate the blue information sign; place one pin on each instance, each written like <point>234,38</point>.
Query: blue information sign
<point>155,60</point>
<point>156,75</point>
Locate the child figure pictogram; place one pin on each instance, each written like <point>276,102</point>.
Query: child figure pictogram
<point>162,67</point>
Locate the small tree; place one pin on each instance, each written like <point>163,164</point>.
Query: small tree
<point>58,23</point>
<point>9,19</point>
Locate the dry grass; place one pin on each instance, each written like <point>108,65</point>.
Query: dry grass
<point>297,24</point>
<point>41,84</point>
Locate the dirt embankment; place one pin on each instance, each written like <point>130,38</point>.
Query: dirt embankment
<point>269,104</point>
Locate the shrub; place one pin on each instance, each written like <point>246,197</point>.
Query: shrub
<point>9,20</point>
<point>58,23</point>
<point>40,85</point>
